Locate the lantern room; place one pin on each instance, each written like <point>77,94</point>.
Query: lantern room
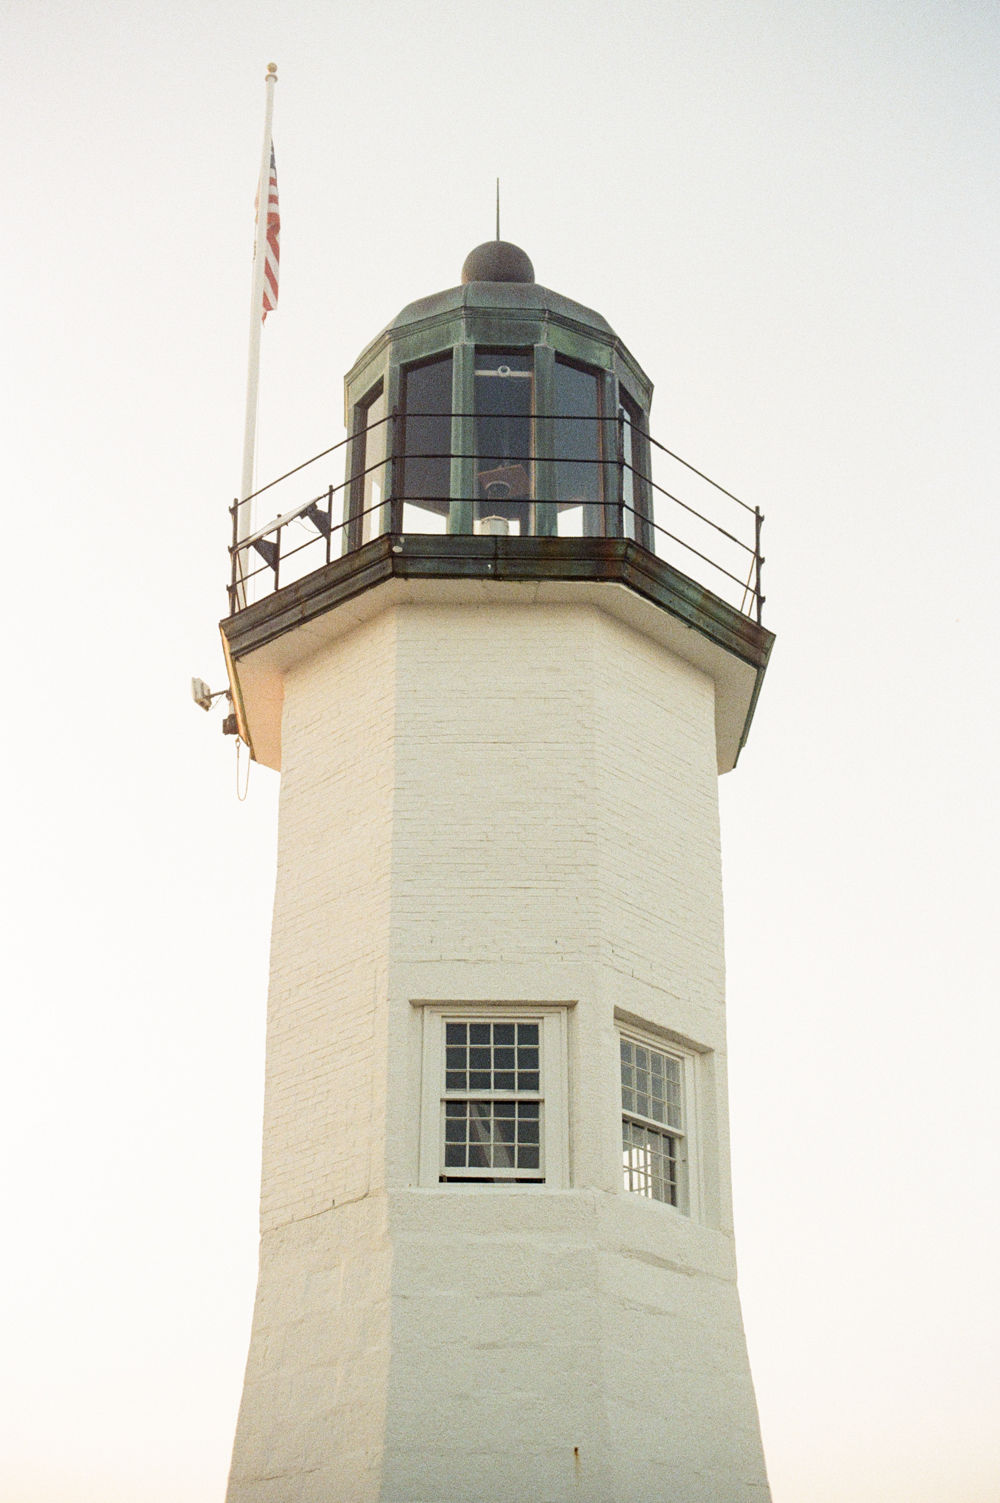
<point>506,410</point>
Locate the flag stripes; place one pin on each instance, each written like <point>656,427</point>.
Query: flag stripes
<point>271,248</point>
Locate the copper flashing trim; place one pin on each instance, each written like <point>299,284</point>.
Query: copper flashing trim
<point>502,559</point>
<point>464,556</point>
<point>236,693</point>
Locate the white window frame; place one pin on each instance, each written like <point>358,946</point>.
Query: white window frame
<point>553,1093</point>
<point>688,1176</point>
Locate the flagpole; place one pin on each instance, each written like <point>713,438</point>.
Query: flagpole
<point>244,518</point>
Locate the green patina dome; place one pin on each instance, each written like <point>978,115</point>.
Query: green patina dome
<point>497,261</point>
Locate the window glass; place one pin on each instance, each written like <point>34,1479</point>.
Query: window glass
<point>492,1105</point>
<point>652,1121</point>
<point>426,469</point>
<point>504,402</point>
<point>491,1057</point>
<point>577,450</point>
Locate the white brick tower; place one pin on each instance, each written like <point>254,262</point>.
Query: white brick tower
<point>497,1250</point>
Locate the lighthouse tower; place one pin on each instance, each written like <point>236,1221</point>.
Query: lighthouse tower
<point>500,682</point>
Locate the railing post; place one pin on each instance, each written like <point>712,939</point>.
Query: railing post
<point>607,465</point>
<point>620,425</point>
<point>643,497</point>
<point>277,556</point>
<point>355,487</point>
<point>232,555</point>
<point>395,500</point>
<point>546,432</point>
<point>329,518</point>
<point>758,519</point>
<point>462,487</point>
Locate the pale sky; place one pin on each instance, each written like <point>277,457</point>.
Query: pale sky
<point>788,211</point>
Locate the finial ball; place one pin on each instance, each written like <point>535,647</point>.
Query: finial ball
<point>497,261</point>
<point>272,67</point>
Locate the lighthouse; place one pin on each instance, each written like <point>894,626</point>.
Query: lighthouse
<point>500,671</point>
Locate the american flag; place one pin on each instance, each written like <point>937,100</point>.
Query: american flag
<point>271,252</point>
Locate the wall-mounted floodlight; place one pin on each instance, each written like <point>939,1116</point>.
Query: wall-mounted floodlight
<point>202,694</point>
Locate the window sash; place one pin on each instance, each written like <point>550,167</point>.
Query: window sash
<point>651,1078</point>
<point>651,1162</point>
<point>480,1142</point>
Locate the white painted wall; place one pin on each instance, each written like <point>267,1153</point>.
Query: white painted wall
<point>491,804</point>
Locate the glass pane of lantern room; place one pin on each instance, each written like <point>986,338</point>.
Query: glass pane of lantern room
<point>628,471</point>
<point>577,451</point>
<point>373,467</point>
<point>427,446</point>
<point>635,486</point>
<point>504,400</point>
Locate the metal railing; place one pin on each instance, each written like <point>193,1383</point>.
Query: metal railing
<point>707,534</point>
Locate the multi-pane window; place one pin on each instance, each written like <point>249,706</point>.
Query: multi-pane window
<point>652,1121</point>
<point>494,1095</point>
<point>492,1106</point>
